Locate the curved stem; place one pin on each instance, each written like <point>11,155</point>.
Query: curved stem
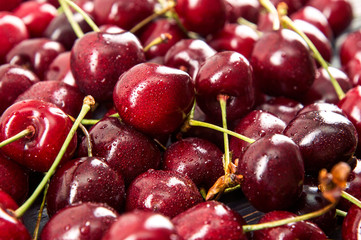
<point>28,131</point>
<point>351,198</point>
<point>163,38</point>
<point>226,160</point>
<point>86,17</point>
<point>340,213</point>
<point>260,226</point>
<point>40,214</point>
<point>69,15</point>
<point>272,9</point>
<point>88,102</point>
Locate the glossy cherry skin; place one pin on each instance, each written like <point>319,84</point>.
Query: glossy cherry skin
<point>154,99</point>
<point>228,73</point>
<point>139,225</point>
<point>7,202</point>
<point>12,31</point>
<point>254,125</point>
<point>297,230</point>
<point>351,224</point>
<point>14,80</point>
<point>353,69</point>
<point>196,158</point>
<point>202,16</point>
<point>59,70</point>
<point>350,47</point>
<point>83,221</point>
<point>154,30</point>
<point>35,54</point>
<point>235,37</point>
<point>247,9</point>
<point>12,228</point>
<point>321,106</point>
<point>210,220</point>
<point>98,59</point>
<point>324,138</point>
<point>282,64</point>
<point>9,5</point>
<point>188,55</point>
<point>87,179</point>
<point>126,150</point>
<point>122,13</point>
<point>36,16</point>
<point>14,179</point>
<point>66,97</point>
<point>165,192</point>
<point>38,150</point>
<point>261,165</point>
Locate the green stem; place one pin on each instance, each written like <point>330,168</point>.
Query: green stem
<point>231,189</point>
<point>90,121</point>
<point>340,213</point>
<point>351,198</point>
<point>260,226</point>
<point>69,15</point>
<point>88,102</point>
<point>28,131</point>
<point>86,17</point>
<point>223,103</point>
<point>340,93</point>
<point>40,214</point>
<point>272,9</point>
<point>196,123</point>
<point>163,38</point>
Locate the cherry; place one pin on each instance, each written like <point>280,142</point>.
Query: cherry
<point>282,64</point>
<point>87,6</point>
<point>83,221</point>
<point>321,106</point>
<point>261,166</point>
<point>87,179</point>
<point>235,37</point>
<point>14,80</point>
<point>49,127</point>
<point>9,5</point>
<point>227,73</point>
<point>7,202</point>
<point>165,192</point>
<point>255,125</point>
<point>59,70</point>
<point>153,98</point>
<point>98,59</point>
<point>196,158</point>
<point>140,225</point>
<point>324,138</point>
<point>247,9</point>
<point>353,70</point>
<point>36,16</point>
<point>12,228</point>
<point>202,16</point>
<point>351,223</point>
<point>210,220</point>
<point>350,47</point>
<point>126,150</point>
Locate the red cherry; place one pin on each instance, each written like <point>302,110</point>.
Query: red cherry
<point>350,47</point>
<point>351,223</point>
<point>59,70</point>
<point>353,69</point>
<point>6,5</point>
<point>6,201</point>
<point>247,9</point>
<point>12,228</point>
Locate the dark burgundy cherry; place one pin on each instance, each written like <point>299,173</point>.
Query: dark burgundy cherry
<point>84,221</point>
<point>315,17</point>
<point>6,5</point>
<point>55,3</point>
<point>197,158</point>
<point>254,125</point>
<point>12,228</point>
<point>35,54</point>
<point>202,16</point>
<point>321,106</point>
<point>36,16</point>
<point>66,97</point>
<point>351,224</point>
<point>282,64</point>
<point>14,179</point>
<point>350,47</point>
<point>265,21</point>
<point>322,89</point>
<point>98,59</point>
<point>353,70</point>
<point>338,13</point>
<point>154,99</point>
<point>122,13</point>
<point>165,192</point>
<point>155,30</point>
<point>140,225</point>
<point>247,9</point>
<point>59,70</point>
<point>7,202</point>
<point>38,150</point>
<point>273,173</point>
<point>14,80</point>
<point>87,179</point>
<point>210,220</point>
<point>123,148</point>
<point>228,73</point>
<point>284,108</point>
<point>61,31</point>
<point>324,138</point>
<point>87,6</point>
<point>188,55</point>
<point>292,5</point>
<point>12,31</point>
<point>297,230</point>
<point>235,37</point>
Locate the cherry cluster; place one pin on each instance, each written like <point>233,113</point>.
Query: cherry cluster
<point>142,116</point>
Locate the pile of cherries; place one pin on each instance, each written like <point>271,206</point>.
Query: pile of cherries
<point>144,115</point>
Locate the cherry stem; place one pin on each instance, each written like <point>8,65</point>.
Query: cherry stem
<point>243,21</point>
<point>260,226</point>
<point>87,104</point>
<point>40,214</point>
<point>163,38</point>
<point>86,17</point>
<point>351,198</point>
<point>340,213</point>
<point>152,17</point>
<point>272,9</point>
<point>69,15</point>
<point>196,123</point>
<point>316,54</point>
<point>28,131</point>
<point>95,121</point>
<point>203,192</point>
<point>223,103</point>
<point>231,189</point>
<point>87,136</point>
